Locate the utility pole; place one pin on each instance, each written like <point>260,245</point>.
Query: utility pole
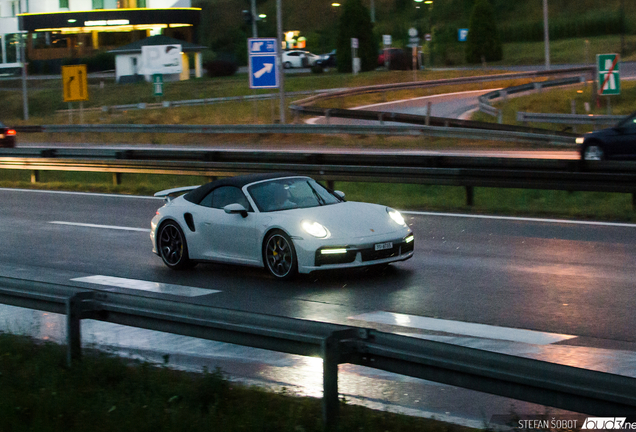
<point>254,29</point>
<point>546,35</point>
<point>281,71</point>
<point>25,99</point>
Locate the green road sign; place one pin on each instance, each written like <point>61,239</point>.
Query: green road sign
<point>157,84</point>
<point>609,80</point>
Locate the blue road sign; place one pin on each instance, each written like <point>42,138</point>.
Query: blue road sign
<point>462,34</point>
<point>263,73</point>
<point>262,46</point>
<point>263,53</point>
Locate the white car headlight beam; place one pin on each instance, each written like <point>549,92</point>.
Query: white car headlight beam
<point>314,228</point>
<point>396,216</point>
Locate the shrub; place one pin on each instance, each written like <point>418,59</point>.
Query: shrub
<point>220,68</point>
<point>483,39</point>
<point>317,69</point>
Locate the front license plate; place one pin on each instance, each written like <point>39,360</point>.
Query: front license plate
<point>383,246</point>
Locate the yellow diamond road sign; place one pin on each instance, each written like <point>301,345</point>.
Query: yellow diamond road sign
<point>75,87</point>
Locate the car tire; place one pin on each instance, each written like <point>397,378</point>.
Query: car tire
<point>172,246</point>
<point>279,255</point>
<point>593,152</point>
<point>287,65</point>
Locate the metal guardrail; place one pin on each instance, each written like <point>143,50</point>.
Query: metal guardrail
<point>435,83</point>
<point>587,119</point>
<point>469,172</point>
<point>192,102</point>
<point>512,133</point>
<point>426,120</point>
<point>560,386</point>
<point>484,100</point>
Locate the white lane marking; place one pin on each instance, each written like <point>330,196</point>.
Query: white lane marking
<point>80,193</point>
<point>315,119</point>
<point>463,328</point>
<point>87,225</point>
<point>521,219</point>
<point>156,287</point>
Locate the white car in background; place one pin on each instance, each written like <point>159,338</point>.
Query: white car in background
<point>295,59</point>
<point>284,222</point>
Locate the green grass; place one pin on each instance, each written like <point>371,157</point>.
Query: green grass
<point>106,393</point>
<point>520,202</point>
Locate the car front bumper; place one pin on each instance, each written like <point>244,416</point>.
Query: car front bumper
<point>354,253</point>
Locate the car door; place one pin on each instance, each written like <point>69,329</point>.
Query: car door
<point>228,237</point>
<point>625,147</point>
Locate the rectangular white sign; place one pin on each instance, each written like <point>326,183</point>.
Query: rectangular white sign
<point>161,59</point>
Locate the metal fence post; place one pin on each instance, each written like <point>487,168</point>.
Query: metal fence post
<point>35,176</point>
<point>330,405</point>
<point>336,349</point>
<point>470,196</point>
<point>74,313</point>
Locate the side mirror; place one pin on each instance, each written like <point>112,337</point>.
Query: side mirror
<point>341,194</point>
<point>235,208</point>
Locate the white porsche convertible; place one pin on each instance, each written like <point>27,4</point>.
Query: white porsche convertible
<point>286,223</point>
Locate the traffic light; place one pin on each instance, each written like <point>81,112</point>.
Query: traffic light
<point>247,17</point>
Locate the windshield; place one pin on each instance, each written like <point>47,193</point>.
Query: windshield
<point>290,193</point>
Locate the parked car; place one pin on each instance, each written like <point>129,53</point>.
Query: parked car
<point>327,60</point>
<point>7,136</point>
<point>298,59</point>
<point>618,142</point>
<point>285,223</point>
<point>399,59</point>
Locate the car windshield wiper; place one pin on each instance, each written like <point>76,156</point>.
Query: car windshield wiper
<point>321,200</point>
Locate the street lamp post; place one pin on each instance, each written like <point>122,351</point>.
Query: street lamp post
<point>281,71</point>
<point>546,35</point>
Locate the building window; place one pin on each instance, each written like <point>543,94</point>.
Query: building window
<point>63,4</point>
<point>98,4</point>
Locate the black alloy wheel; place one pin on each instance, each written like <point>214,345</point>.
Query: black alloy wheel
<point>280,256</point>
<point>173,248</point>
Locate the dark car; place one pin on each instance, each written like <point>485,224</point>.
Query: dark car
<point>618,142</point>
<point>7,136</point>
<point>327,60</point>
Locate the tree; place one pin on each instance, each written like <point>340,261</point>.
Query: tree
<point>483,39</point>
<point>355,22</point>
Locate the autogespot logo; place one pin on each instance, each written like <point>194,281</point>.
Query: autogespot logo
<point>601,423</point>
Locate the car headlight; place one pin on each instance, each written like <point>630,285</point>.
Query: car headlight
<point>314,228</point>
<point>579,140</point>
<point>396,216</point>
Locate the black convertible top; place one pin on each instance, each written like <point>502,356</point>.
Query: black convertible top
<point>199,193</point>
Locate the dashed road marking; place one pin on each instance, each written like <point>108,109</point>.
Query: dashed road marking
<point>463,328</point>
<point>142,285</point>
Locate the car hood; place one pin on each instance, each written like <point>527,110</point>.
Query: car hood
<point>349,219</point>
<point>603,133</point>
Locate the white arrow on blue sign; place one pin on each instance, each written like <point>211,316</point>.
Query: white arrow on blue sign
<point>262,62</point>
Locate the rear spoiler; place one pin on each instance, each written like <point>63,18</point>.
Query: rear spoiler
<point>168,194</point>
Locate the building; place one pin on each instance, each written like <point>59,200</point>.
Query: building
<point>59,29</point>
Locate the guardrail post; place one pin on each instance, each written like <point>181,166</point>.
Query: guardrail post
<point>335,350</point>
<point>470,196</point>
<point>500,116</point>
<point>35,176</point>
<point>116,179</point>
<point>429,105</point>
<point>74,313</point>
<point>327,116</point>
